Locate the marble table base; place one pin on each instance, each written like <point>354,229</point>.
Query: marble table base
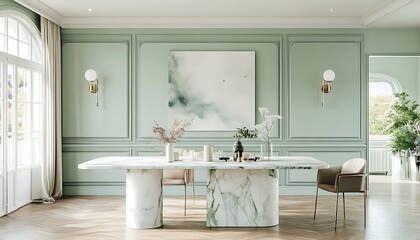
<point>242,197</point>
<point>144,198</point>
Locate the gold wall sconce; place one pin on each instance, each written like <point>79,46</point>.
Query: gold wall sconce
<point>92,78</point>
<point>329,76</point>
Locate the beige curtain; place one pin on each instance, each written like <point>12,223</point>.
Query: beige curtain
<point>51,166</point>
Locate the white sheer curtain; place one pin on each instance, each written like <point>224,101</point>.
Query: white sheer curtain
<point>51,165</point>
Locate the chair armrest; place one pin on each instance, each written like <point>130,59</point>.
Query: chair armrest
<point>328,175</point>
<point>351,182</point>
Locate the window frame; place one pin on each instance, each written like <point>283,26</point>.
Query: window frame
<point>33,66</point>
<point>35,35</point>
<point>396,88</point>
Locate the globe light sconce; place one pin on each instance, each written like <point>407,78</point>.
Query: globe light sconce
<point>92,78</point>
<point>329,76</point>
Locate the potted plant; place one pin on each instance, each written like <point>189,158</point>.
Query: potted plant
<point>414,159</point>
<point>402,122</point>
<point>238,148</point>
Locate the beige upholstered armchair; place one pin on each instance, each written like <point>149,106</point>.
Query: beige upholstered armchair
<point>179,177</point>
<point>350,177</point>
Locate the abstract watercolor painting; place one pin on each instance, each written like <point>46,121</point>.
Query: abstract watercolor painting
<point>214,88</point>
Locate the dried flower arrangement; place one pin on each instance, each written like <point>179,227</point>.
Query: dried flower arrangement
<point>174,133</point>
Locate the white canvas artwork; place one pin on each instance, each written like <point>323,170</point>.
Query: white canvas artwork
<point>214,88</point>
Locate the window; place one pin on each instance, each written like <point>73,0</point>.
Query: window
<point>20,62</point>
<point>381,96</point>
<point>20,110</point>
<point>17,40</point>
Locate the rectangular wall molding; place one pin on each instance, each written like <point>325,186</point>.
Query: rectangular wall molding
<point>110,57</point>
<point>308,56</point>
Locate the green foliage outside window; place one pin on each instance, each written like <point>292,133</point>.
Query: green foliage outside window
<point>379,106</point>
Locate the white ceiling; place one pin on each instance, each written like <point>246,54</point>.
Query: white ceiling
<point>229,13</point>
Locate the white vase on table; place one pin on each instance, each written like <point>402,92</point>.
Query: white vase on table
<point>169,152</point>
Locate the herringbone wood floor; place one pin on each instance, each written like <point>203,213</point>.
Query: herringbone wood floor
<point>393,213</point>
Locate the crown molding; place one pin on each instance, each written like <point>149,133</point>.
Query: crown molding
<point>212,23</point>
<point>383,10</point>
<point>43,10</point>
<point>86,22</point>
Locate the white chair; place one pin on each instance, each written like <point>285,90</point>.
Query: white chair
<point>179,177</point>
<point>350,177</point>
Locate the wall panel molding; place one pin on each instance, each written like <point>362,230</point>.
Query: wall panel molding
<point>99,181</point>
<point>308,56</point>
<point>114,74</point>
<point>277,87</point>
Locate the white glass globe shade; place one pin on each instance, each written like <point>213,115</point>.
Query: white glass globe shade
<point>91,75</point>
<point>329,75</point>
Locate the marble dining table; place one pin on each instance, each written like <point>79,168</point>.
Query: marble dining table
<point>239,194</point>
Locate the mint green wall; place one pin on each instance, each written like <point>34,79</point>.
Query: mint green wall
<point>405,69</point>
<point>309,59</point>
<point>112,67</point>
<point>132,68</point>
<point>418,79</point>
<point>392,41</point>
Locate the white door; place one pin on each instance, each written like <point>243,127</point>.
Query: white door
<point>18,143</point>
<point>19,136</point>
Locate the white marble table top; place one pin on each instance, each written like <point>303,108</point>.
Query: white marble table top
<point>142,162</point>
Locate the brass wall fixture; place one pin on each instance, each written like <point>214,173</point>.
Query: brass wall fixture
<point>329,76</point>
<point>92,78</point>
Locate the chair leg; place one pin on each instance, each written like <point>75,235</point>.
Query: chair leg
<point>344,206</point>
<point>365,195</point>
<point>193,192</point>
<point>336,212</point>
<point>185,199</point>
<point>316,201</point>
<point>364,209</point>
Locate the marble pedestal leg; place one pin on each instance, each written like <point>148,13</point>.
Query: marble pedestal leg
<point>242,197</point>
<point>144,198</point>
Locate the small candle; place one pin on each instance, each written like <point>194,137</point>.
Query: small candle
<point>208,153</point>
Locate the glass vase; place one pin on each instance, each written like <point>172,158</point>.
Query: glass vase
<point>266,150</point>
